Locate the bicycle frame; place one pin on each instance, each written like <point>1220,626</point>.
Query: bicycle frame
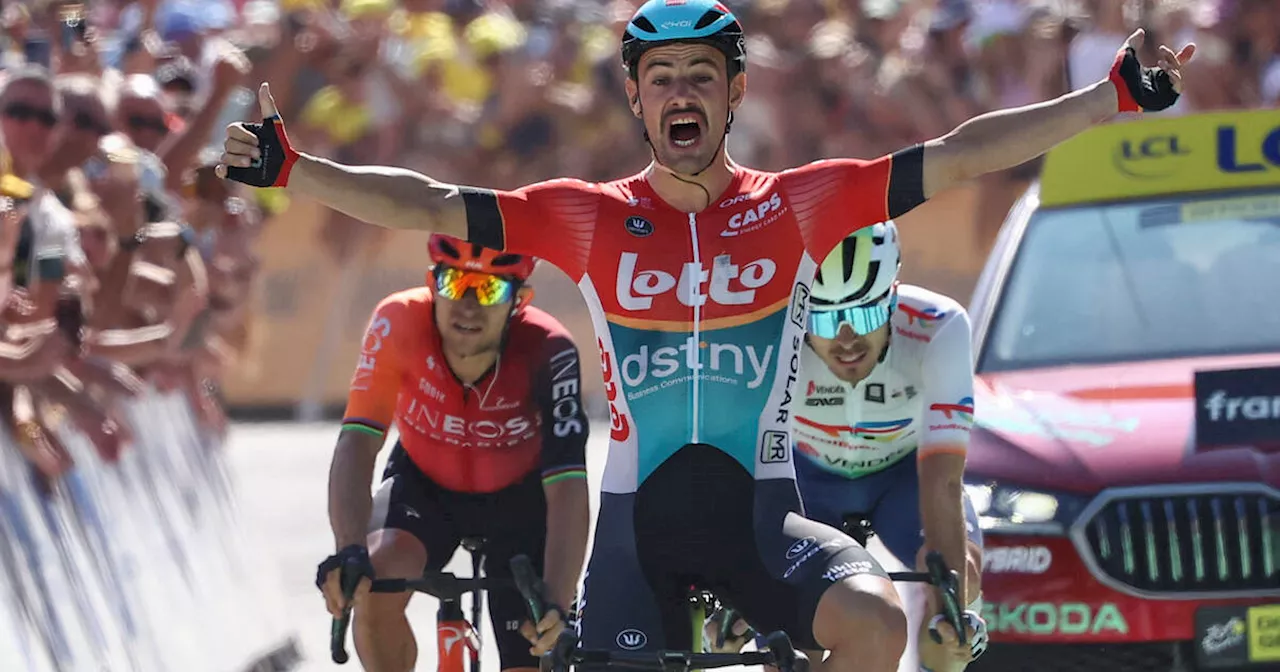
<point>455,637</point>
<point>453,628</point>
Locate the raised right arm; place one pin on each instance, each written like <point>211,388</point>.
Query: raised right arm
<point>395,198</point>
<point>553,220</point>
<point>391,197</point>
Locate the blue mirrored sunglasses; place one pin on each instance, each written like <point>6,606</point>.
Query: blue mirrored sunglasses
<point>863,319</point>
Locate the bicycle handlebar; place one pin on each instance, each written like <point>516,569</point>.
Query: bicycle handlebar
<point>948,583</point>
<point>338,630</point>
<point>779,651</point>
<point>566,653</point>
<point>440,585</point>
<point>531,587</point>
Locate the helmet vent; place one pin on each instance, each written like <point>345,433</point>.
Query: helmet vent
<point>707,19</point>
<point>643,23</point>
<point>850,248</point>
<point>506,260</point>
<point>449,249</point>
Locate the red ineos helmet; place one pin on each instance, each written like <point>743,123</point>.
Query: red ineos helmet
<point>467,256</point>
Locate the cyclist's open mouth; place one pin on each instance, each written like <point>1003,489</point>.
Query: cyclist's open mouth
<point>684,130</point>
<point>467,329</point>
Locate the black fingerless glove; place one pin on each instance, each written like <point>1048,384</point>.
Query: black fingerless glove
<point>1139,88</point>
<point>272,168</point>
<point>353,563</point>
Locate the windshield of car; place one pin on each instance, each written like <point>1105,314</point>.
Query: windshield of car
<point>1177,277</point>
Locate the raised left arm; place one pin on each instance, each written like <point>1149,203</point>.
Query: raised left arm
<point>1006,138</point>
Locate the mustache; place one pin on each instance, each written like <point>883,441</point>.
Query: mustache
<point>689,110</point>
<point>855,348</point>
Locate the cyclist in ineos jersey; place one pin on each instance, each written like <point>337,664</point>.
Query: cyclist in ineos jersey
<point>485,392</point>
<point>697,272</point>
<point>887,375</point>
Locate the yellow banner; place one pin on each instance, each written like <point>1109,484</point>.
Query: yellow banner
<point>1157,156</point>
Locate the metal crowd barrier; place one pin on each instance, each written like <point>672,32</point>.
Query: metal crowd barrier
<point>138,565</point>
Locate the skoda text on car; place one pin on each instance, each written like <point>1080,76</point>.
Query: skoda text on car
<point>1126,457</point>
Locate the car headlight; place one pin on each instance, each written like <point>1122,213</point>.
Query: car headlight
<point>1007,507</point>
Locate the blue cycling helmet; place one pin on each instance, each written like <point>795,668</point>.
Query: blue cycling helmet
<point>659,22</point>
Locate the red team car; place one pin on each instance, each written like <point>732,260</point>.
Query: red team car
<point>1126,457</point>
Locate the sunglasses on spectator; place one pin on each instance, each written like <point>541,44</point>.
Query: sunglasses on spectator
<point>491,290</point>
<point>25,112</point>
<point>140,123</point>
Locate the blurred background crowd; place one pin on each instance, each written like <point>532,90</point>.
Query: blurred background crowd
<point>130,262</point>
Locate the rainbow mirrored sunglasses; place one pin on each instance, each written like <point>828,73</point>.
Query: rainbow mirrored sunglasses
<point>491,290</point>
<point>864,319</point>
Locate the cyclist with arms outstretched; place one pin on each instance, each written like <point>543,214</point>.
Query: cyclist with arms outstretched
<point>886,376</point>
<point>485,392</point>
<point>696,271</point>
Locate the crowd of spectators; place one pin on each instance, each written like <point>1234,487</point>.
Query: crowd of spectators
<point>132,262</point>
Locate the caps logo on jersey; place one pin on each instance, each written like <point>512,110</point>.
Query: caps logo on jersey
<point>756,217</point>
<point>638,226</point>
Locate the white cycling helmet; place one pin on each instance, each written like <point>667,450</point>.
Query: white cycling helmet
<point>855,282</point>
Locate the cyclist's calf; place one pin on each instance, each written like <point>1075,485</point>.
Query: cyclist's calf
<point>384,640</point>
<point>861,622</point>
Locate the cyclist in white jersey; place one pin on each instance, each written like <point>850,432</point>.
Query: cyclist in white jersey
<point>886,374</point>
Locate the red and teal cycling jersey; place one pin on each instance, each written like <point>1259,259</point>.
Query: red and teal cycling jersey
<point>699,317</point>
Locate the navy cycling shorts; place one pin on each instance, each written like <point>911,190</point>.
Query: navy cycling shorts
<point>701,521</point>
<point>889,499</point>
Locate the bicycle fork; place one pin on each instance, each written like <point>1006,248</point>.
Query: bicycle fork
<point>700,604</point>
<point>455,638</point>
